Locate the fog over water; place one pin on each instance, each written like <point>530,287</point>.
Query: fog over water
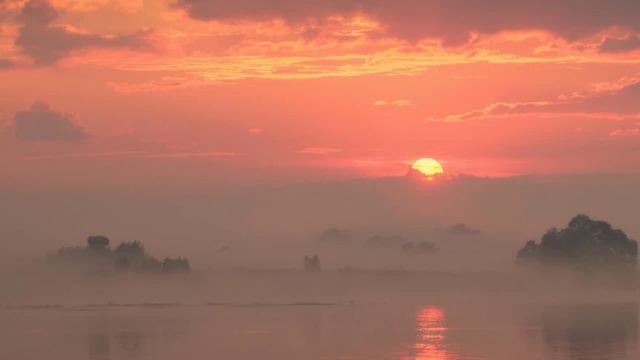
<point>273,226</point>
<point>319,179</point>
<point>404,272</point>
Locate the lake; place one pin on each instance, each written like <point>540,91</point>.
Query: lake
<point>446,330</point>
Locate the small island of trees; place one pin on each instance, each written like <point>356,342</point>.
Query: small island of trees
<point>585,245</point>
<point>98,257</point>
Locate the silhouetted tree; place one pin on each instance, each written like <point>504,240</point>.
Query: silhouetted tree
<point>97,243</point>
<point>530,251</point>
<point>177,265</point>
<point>335,236</point>
<point>312,263</point>
<point>130,248</point>
<point>67,255</point>
<point>122,263</point>
<point>150,264</point>
<point>585,243</point>
<point>423,247</point>
<point>96,257</point>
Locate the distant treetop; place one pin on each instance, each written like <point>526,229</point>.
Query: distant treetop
<point>98,242</point>
<point>130,248</point>
<point>335,236</point>
<point>463,230</point>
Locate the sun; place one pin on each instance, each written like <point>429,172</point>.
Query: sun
<point>428,167</point>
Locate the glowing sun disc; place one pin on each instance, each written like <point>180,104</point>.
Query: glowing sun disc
<point>428,167</point>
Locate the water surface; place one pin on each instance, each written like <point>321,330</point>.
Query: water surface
<point>442,331</point>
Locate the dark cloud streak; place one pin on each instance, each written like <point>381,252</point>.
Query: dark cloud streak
<point>46,43</point>
<point>614,45</point>
<point>6,64</point>
<point>450,20</point>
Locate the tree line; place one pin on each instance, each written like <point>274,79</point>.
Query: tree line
<point>98,256</point>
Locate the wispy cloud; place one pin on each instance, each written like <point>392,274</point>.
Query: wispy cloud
<point>613,101</point>
<point>140,154</point>
<point>187,155</point>
<point>393,103</point>
<point>626,132</point>
<point>319,151</point>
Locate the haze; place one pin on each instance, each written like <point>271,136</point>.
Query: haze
<point>356,179</point>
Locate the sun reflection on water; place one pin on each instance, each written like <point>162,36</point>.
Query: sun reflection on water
<point>431,333</point>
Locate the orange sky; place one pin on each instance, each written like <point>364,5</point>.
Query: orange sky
<point>186,91</point>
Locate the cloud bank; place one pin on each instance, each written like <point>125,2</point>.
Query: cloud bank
<point>453,21</point>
